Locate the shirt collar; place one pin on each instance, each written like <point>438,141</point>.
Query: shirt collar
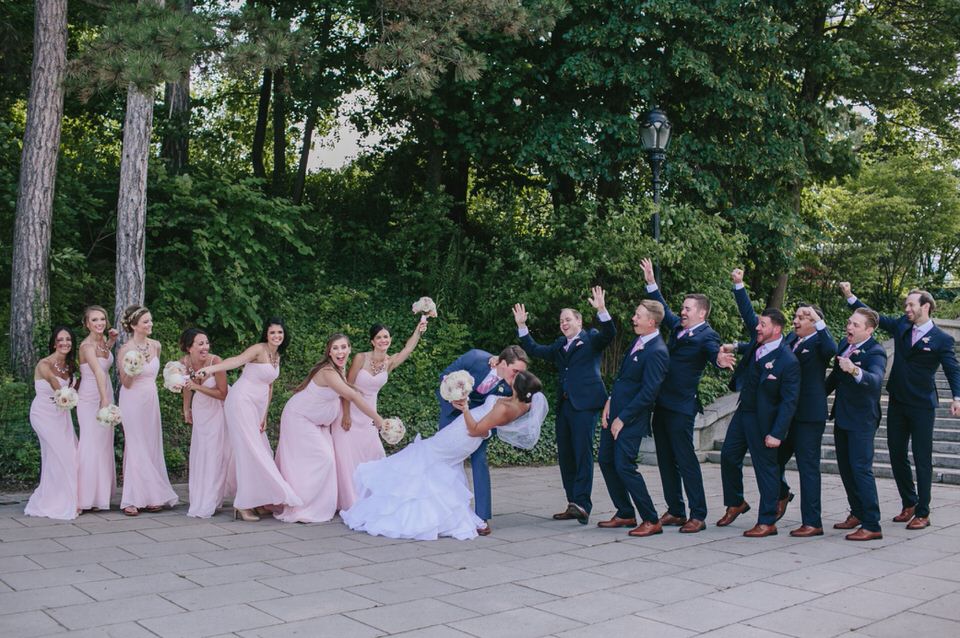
<point>924,328</point>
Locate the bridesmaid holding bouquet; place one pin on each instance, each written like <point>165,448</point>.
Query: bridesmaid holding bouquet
<point>145,482</point>
<point>356,441</point>
<point>259,483</point>
<point>97,479</point>
<point>213,475</point>
<point>53,379</point>
<point>305,453</point>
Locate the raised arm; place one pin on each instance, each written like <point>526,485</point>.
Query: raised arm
<point>529,344</point>
<point>653,291</point>
<point>608,331</point>
<point>412,342</point>
<point>744,307</point>
<point>887,322</point>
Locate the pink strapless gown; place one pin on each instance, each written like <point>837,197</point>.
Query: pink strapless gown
<point>213,475</point>
<point>359,444</point>
<point>145,480</point>
<point>258,480</point>
<point>97,482</point>
<point>305,453</point>
<point>56,496</point>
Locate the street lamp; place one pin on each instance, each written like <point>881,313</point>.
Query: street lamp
<point>655,135</point>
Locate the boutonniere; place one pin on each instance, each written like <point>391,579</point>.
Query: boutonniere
<point>769,365</point>
<point>925,339</point>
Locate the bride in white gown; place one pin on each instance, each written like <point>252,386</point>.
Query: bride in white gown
<point>421,492</point>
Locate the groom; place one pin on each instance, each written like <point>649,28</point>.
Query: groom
<point>491,375</point>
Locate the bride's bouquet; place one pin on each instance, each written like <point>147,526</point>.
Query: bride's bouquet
<point>175,376</point>
<point>109,417</point>
<point>425,306</point>
<point>133,363</point>
<point>392,431</point>
<point>456,386</point>
<point>65,399</point>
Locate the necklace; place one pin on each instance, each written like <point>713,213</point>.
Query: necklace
<point>102,349</point>
<point>275,359</point>
<point>144,349</point>
<point>376,367</point>
<point>192,369</point>
<point>62,371</point>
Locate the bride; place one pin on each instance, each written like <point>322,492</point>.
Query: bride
<point>421,492</point>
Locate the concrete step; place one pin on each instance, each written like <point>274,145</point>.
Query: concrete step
<point>880,443</point>
<point>941,461</point>
<point>880,469</point>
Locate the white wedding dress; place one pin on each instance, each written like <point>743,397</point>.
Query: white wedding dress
<point>421,492</point>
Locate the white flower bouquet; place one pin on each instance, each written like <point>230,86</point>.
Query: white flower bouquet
<point>109,417</point>
<point>456,386</point>
<point>133,363</point>
<point>65,399</point>
<point>392,431</point>
<point>425,306</point>
<point>175,376</point>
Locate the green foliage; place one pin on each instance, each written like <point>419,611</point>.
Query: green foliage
<point>19,450</point>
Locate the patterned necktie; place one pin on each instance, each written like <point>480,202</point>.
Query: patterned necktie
<point>488,383</point>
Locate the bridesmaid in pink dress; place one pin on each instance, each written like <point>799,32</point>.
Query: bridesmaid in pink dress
<point>145,482</point>
<point>213,475</point>
<point>259,483</point>
<point>305,453</point>
<point>357,441</point>
<point>97,480</point>
<point>56,496</point>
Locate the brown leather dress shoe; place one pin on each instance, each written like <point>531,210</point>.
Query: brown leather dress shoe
<point>760,531</point>
<point>806,531</point>
<point>616,521</point>
<point>919,522</point>
<point>565,515</point>
<point>578,513</point>
<point>693,526</point>
<point>852,522</point>
<point>484,531</point>
<point>782,505</point>
<point>647,528</point>
<point>905,515</point>
<point>732,513</point>
<point>864,535</point>
<point>669,520</point>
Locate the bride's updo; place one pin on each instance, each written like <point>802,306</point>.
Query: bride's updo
<point>525,385</point>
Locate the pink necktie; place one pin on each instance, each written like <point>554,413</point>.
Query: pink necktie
<point>916,336</point>
<point>683,333</point>
<point>796,344</point>
<point>637,346</point>
<point>759,354</point>
<point>846,353</point>
<point>487,384</point>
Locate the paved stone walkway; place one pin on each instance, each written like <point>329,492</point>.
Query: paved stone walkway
<point>169,575</point>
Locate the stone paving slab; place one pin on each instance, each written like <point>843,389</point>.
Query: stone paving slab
<point>168,575</point>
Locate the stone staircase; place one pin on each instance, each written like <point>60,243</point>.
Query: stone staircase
<point>946,442</point>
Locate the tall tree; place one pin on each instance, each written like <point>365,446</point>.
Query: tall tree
<point>30,285</point>
<point>176,139</point>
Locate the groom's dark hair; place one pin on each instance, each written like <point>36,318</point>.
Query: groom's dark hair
<point>512,354</point>
<point>525,385</point>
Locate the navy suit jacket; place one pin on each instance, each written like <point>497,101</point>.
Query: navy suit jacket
<point>912,375</point>
<point>814,355</point>
<point>579,365</point>
<point>857,405</point>
<point>477,363</point>
<point>778,391</point>
<point>688,357</point>
<point>635,390</point>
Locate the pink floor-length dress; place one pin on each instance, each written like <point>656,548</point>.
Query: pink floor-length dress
<point>258,480</point>
<point>97,481</point>
<point>56,496</point>
<point>305,453</point>
<point>145,480</point>
<point>359,444</point>
<point>213,475</point>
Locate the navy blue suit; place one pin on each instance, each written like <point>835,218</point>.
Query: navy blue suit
<point>769,391</point>
<point>580,396</point>
<point>805,437</point>
<point>913,404</point>
<point>477,363</point>
<point>632,399</point>
<point>677,406</point>
<point>856,415</point>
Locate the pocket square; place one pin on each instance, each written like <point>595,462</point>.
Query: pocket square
<point>771,377</point>
<point>804,351</point>
<point>926,350</point>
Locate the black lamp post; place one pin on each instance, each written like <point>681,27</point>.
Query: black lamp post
<point>655,135</point>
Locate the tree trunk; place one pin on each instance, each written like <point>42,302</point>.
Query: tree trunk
<point>300,182</point>
<point>279,133</point>
<point>457,186</point>
<point>30,283</point>
<point>260,132</point>
<point>779,292</point>
<point>176,141</point>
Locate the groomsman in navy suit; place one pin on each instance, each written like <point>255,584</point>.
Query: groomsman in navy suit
<point>919,349</point>
<point>581,394</point>
<point>491,375</point>
<point>626,420</point>
<point>692,344</point>
<point>857,377</point>
<point>813,345</point>
<point>768,378</point>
